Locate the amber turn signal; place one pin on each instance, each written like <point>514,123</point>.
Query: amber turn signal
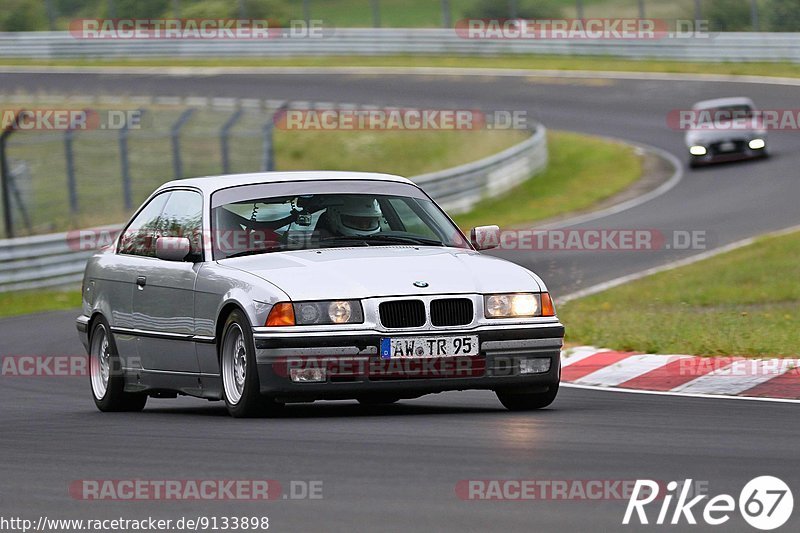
<point>282,314</point>
<point>547,305</point>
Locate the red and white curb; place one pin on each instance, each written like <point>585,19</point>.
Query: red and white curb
<point>682,374</point>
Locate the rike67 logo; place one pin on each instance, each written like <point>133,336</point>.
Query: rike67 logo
<point>765,503</point>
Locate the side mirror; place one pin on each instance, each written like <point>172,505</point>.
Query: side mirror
<point>173,248</point>
<point>485,237</point>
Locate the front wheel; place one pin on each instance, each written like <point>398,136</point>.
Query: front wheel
<point>239,372</point>
<point>105,374</point>
<point>527,401</point>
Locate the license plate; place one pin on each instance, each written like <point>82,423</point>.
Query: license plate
<point>428,347</point>
<point>727,147</point>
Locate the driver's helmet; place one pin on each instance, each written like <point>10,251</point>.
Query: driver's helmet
<point>356,216</point>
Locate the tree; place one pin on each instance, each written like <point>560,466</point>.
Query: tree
<point>729,15</point>
<point>23,15</point>
<point>783,15</point>
<point>526,9</point>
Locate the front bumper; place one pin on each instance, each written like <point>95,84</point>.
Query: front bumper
<point>724,157</point>
<point>353,367</point>
<point>82,325</point>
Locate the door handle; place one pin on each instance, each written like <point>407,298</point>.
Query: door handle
<point>141,281</point>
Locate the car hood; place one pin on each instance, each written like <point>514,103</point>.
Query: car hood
<point>336,273</point>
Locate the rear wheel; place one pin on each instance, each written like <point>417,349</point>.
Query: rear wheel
<point>240,382</point>
<point>527,401</point>
<point>105,373</point>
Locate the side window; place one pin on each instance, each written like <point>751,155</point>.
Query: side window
<point>412,222</point>
<point>183,217</point>
<point>137,238</point>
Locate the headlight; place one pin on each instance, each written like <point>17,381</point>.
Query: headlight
<point>518,305</point>
<point>757,144</point>
<point>698,150</point>
<point>328,312</point>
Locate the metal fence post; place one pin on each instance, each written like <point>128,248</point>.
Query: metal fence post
<point>51,15</point>
<point>698,12</point>
<point>512,9</point>
<point>754,14</point>
<point>223,140</point>
<point>579,8</point>
<point>376,13</point>
<point>124,161</point>
<point>175,133</point>
<point>268,147</point>
<point>447,14</point>
<point>641,9</point>
<point>307,11</point>
<point>176,8</point>
<point>5,175</point>
<point>72,187</point>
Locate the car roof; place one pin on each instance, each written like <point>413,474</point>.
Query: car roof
<point>210,184</point>
<point>723,102</point>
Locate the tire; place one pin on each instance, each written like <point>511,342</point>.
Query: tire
<point>240,385</point>
<point>105,373</point>
<point>378,399</point>
<point>527,401</point>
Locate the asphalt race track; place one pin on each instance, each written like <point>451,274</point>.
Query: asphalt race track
<point>396,468</point>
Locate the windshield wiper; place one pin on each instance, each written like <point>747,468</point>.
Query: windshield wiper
<point>384,239</point>
<point>403,239</point>
<point>255,251</point>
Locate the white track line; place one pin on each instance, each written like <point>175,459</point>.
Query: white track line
<point>735,378</point>
<point>685,395</point>
<point>426,71</point>
<point>676,177</point>
<point>600,287</point>
<point>573,355</point>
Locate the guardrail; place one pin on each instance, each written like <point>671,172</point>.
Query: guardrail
<point>739,46</point>
<point>58,259</point>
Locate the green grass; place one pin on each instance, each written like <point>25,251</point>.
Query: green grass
<point>350,13</point>
<point>745,302</point>
<point>535,62</point>
<point>427,13</point>
<point>582,171</point>
<point>35,301</point>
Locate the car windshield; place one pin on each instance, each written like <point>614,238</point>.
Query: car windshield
<point>725,113</point>
<point>338,215</point>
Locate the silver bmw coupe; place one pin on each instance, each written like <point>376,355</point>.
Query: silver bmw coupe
<point>264,289</point>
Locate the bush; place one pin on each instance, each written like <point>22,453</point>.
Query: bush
<point>728,15</point>
<point>22,15</point>
<point>255,9</point>
<point>527,9</point>
<point>783,15</point>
